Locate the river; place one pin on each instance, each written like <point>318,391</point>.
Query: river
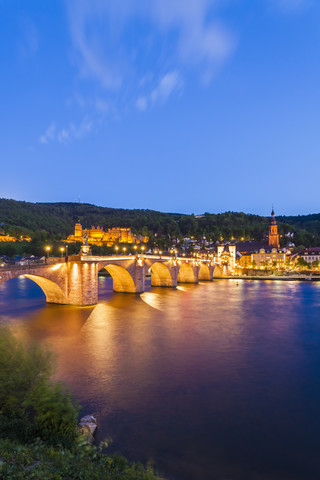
<point>219,380</point>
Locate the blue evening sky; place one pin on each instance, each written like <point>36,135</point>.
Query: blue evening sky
<point>174,105</point>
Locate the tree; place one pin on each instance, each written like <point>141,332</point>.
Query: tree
<point>31,404</point>
<point>302,263</point>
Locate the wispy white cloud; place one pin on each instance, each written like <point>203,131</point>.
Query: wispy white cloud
<point>66,134</point>
<point>288,6</point>
<point>49,134</point>
<point>94,61</point>
<point>201,37</point>
<point>88,103</point>
<point>168,84</point>
<point>142,103</point>
<point>107,51</point>
<point>102,105</point>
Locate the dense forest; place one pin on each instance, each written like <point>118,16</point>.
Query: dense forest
<point>52,222</point>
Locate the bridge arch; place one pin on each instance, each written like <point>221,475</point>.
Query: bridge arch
<point>186,274</point>
<point>217,271</point>
<point>204,272</point>
<point>52,291</point>
<point>160,275</point>
<point>122,280</point>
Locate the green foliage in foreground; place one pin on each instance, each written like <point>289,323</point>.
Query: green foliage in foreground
<point>31,405</point>
<point>38,424</point>
<point>39,461</point>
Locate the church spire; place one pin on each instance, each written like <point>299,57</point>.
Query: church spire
<point>273,232</point>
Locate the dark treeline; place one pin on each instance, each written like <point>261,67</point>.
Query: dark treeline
<point>53,222</point>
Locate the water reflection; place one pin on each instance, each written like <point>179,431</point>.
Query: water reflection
<point>217,380</point>
<point>152,299</point>
<point>182,289</point>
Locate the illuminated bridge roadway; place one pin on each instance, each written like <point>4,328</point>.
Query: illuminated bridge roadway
<point>75,282</point>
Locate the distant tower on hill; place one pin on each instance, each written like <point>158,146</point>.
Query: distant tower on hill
<point>273,232</point>
<point>78,233</point>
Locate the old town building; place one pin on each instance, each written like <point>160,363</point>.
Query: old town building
<point>311,255</point>
<point>262,254</point>
<point>268,258</point>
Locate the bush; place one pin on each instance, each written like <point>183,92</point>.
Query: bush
<point>31,405</point>
<point>37,461</point>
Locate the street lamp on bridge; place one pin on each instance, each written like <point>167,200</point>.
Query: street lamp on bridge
<point>47,248</point>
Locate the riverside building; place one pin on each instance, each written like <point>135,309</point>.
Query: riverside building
<point>262,254</point>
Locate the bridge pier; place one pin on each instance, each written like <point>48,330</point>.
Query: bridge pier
<point>82,283</point>
<point>139,278</point>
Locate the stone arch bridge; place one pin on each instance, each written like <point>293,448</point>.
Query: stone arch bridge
<point>75,282</point>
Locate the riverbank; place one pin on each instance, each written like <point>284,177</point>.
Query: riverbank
<point>284,278</point>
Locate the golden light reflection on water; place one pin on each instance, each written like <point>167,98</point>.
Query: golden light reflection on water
<point>182,289</point>
<point>152,299</point>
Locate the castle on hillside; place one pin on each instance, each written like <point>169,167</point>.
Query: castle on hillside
<point>97,236</point>
<point>9,238</point>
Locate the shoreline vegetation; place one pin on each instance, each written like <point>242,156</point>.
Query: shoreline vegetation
<point>39,436</point>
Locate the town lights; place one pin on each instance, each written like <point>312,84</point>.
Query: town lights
<point>124,249</point>
<point>47,248</point>
<point>143,248</point>
<point>62,249</point>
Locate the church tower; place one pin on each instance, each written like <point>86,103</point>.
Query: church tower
<point>273,232</point>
